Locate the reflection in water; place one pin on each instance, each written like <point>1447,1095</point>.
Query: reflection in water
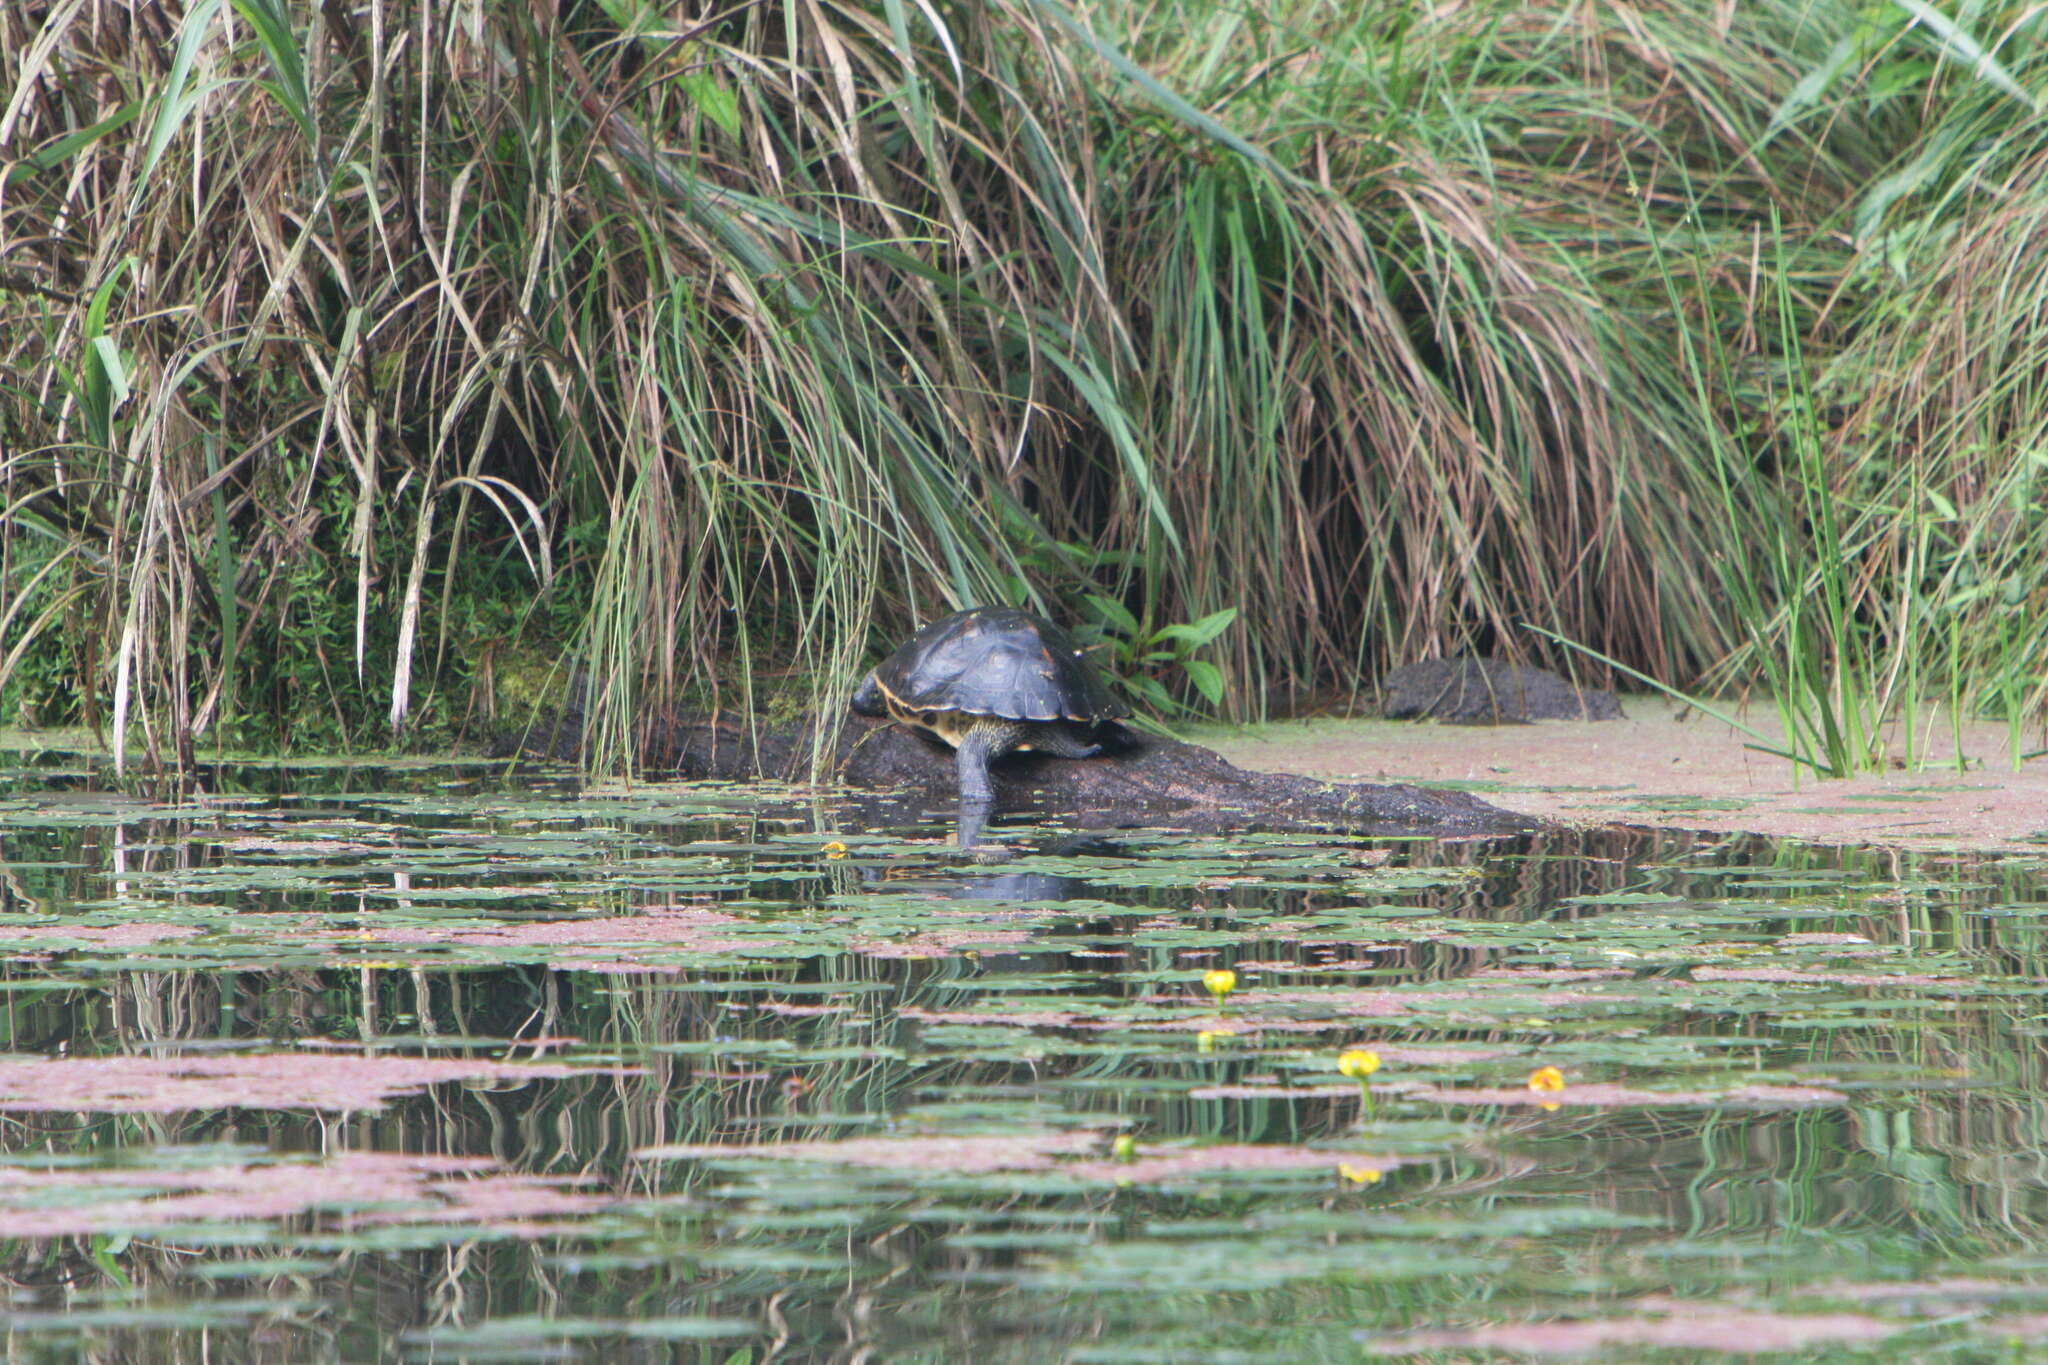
<point>840,1095</point>
<point>989,878</point>
<point>1042,887</point>
<point>973,818</point>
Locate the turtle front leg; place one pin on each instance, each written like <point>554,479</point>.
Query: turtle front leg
<point>984,741</point>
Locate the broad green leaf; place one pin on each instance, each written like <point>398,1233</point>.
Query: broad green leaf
<point>1112,613</point>
<point>1207,678</point>
<point>713,100</point>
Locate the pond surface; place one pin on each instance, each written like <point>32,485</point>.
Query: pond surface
<point>437,1065</point>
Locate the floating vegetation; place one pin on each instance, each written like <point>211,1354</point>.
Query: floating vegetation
<point>496,1070</point>
<point>1129,1163</point>
<point>265,1080</point>
<point>1664,1324</point>
<point>204,1203</point>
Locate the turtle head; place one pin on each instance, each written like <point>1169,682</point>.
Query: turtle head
<point>868,699</point>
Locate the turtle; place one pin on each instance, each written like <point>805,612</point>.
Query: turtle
<point>989,680</point>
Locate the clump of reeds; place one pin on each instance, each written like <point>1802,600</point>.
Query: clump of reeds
<point>347,354</point>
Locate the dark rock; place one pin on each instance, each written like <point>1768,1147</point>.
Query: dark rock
<point>1138,778</point>
<point>1489,692</point>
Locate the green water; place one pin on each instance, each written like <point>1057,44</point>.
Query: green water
<point>345,1064</point>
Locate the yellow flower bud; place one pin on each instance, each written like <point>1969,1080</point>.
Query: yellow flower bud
<point>1358,1063</point>
<point>1220,982</point>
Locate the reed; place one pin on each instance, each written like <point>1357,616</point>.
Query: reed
<point>352,361</point>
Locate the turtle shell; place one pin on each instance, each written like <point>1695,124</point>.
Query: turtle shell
<point>991,661</point>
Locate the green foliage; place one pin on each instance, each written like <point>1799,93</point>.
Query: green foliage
<point>335,363</point>
<point>1142,661</point>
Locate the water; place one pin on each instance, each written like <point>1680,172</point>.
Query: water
<point>335,1064</point>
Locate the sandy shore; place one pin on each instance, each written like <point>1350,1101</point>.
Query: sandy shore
<point>1678,768</point>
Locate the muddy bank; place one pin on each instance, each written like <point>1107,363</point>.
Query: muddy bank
<point>1143,778</point>
<point>1670,767</point>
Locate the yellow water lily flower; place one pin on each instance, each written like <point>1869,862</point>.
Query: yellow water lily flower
<point>1220,982</point>
<point>1546,1080</point>
<point>1358,1063</point>
<point>836,849</point>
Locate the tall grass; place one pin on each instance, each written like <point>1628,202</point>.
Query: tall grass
<point>352,361</point>
<point>1901,429</point>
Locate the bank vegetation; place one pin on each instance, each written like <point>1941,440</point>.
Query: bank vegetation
<point>373,366</point>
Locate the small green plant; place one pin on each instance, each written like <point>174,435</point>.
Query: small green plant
<point>1141,660</point>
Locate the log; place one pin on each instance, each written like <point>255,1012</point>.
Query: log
<point>1138,779</point>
